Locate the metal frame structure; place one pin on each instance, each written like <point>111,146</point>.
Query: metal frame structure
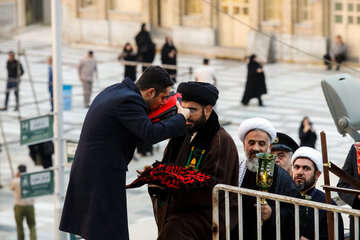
<point>277,198</point>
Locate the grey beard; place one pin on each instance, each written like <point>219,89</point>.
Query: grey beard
<point>252,164</point>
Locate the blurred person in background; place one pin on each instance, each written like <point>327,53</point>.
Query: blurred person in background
<point>129,55</point>
<point>23,208</point>
<point>87,68</point>
<point>307,134</point>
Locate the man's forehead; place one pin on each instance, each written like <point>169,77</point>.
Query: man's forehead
<point>278,151</point>
<point>302,161</point>
<point>259,134</point>
<point>166,93</point>
<point>190,104</point>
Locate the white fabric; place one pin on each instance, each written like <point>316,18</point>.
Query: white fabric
<point>256,123</point>
<point>310,153</point>
<point>205,73</point>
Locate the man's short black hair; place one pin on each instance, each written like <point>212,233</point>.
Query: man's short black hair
<point>206,61</point>
<point>91,53</point>
<point>22,168</point>
<point>154,77</point>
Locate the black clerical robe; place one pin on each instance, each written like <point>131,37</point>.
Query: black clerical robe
<point>283,185</point>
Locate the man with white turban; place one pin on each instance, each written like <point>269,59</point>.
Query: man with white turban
<point>307,168</point>
<point>257,135</point>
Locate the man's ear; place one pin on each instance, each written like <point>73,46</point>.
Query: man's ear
<point>317,174</point>
<point>150,93</point>
<point>208,110</point>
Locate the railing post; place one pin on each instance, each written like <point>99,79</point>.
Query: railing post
<point>215,226</point>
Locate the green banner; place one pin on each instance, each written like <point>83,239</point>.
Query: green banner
<point>37,183</point>
<point>70,150</point>
<point>35,130</point>
<point>74,237</point>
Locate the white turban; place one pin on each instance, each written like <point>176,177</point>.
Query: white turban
<point>256,123</point>
<point>310,153</point>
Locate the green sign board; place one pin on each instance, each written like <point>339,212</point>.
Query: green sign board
<point>37,184</point>
<point>38,129</point>
<point>74,237</point>
<point>70,150</point>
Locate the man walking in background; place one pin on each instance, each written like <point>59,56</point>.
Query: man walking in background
<point>15,71</point>
<point>205,73</point>
<point>24,208</point>
<point>87,67</point>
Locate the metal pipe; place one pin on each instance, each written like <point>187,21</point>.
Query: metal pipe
<point>258,217</point>
<point>240,216</point>
<point>227,216</point>
<point>278,224</point>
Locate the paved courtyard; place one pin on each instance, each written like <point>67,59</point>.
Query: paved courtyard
<point>294,91</point>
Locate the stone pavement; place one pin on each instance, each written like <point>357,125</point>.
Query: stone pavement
<point>294,91</point>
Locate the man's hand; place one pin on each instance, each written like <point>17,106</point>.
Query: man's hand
<point>184,111</point>
<point>265,212</point>
<point>145,167</point>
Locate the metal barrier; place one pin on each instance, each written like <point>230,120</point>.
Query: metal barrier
<point>277,198</point>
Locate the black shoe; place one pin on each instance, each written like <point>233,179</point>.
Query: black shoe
<point>16,108</point>
<point>3,109</point>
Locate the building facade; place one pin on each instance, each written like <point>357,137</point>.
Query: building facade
<point>16,14</point>
<point>287,30</point>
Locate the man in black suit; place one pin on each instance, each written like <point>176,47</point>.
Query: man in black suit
<point>307,168</point>
<point>95,204</point>
<point>351,167</point>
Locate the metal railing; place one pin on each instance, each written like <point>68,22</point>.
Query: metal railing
<point>277,198</point>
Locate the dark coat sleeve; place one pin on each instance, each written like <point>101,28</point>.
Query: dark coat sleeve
<point>350,166</point>
<point>137,122</point>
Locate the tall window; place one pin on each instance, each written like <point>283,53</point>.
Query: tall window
<point>193,7</point>
<point>272,10</point>
<point>304,11</point>
<point>133,6</point>
<point>87,3</point>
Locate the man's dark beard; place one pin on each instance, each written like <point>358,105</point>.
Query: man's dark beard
<point>306,185</point>
<point>198,124</point>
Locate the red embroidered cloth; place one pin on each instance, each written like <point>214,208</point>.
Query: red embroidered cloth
<point>172,177</point>
<point>357,147</point>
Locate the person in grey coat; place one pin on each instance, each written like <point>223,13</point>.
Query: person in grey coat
<point>95,203</point>
<point>87,68</point>
<point>337,54</point>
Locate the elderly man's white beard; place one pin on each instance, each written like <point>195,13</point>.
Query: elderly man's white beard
<point>252,163</point>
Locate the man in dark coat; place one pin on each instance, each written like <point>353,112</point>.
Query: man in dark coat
<point>145,46</point>
<point>95,204</point>
<point>351,166</point>
<point>257,135</point>
<point>255,82</point>
<point>206,147</point>
<point>168,57</point>
<point>15,71</point>
<point>307,168</point>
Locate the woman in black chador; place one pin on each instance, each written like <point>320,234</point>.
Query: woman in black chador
<point>255,82</point>
<point>307,134</point>
<point>129,55</point>
<point>145,45</point>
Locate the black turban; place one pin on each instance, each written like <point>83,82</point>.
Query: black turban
<point>200,92</point>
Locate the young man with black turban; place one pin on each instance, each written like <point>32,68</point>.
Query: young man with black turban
<point>206,147</point>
